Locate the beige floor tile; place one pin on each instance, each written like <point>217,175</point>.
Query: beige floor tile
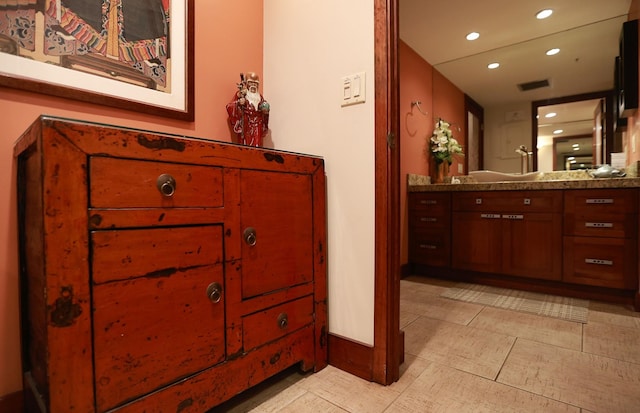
<point>407,318</point>
<point>588,381</point>
<point>465,348</point>
<point>621,343</point>
<point>308,403</point>
<point>615,314</point>
<point>440,308</point>
<point>433,286</point>
<point>441,389</point>
<point>357,395</point>
<point>543,329</point>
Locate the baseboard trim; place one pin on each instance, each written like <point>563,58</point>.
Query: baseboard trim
<point>353,357</point>
<point>12,402</point>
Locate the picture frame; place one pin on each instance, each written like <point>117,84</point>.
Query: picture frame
<point>69,53</point>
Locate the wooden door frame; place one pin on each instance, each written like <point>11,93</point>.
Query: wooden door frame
<point>388,345</point>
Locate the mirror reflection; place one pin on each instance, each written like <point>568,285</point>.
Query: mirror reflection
<point>587,36</point>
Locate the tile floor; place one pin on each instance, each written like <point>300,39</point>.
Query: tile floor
<point>462,357</point>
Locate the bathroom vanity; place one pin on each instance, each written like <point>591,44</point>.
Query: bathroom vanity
<point>574,237</point>
<point>164,273</point>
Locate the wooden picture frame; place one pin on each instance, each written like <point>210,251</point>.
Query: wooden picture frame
<point>49,48</point>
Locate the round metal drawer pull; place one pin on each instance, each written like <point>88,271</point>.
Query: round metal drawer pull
<point>283,321</point>
<point>250,236</point>
<point>214,292</point>
<point>166,185</point>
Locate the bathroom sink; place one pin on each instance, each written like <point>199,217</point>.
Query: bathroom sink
<point>494,176</point>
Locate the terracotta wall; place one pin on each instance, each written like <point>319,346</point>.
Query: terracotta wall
<point>419,81</point>
<point>225,45</point>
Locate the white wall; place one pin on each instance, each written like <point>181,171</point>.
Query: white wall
<point>308,47</point>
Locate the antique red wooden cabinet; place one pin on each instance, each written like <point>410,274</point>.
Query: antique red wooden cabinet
<point>164,273</point>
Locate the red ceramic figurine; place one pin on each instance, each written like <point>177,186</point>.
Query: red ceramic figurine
<point>249,112</point>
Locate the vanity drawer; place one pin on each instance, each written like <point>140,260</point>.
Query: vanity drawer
<point>431,248</point>
<point>589,224</point>
<point>434,204</point>
<point>127,183</point>
<point>605,262</point>
<point>601,201</point>
<point>426,220</point>
<point>270,324</point>
<point>511,201</point>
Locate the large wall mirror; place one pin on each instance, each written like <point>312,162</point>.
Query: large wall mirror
<point>585,31</point>
<point>573,132</point>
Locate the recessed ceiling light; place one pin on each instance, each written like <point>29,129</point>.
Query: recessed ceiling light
<point>550,115</point>
<point>557,131</point>
<point>571,158</point>
<point>576,149</point>
<point>493,65</point>
<point>473,36</point>
<point>543,14</point>
<point>575,145</point>
<point>574,161</point>
<point>553,51</point>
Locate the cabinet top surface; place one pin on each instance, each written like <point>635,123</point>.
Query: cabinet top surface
<point>108,129</point>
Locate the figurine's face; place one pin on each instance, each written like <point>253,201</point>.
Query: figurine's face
<point>252,86</point>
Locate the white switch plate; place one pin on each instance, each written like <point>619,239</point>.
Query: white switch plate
<point>353,89</point>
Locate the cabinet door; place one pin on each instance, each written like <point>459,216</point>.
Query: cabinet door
<point>476,241</point>
<point>532,245</point>
<point>277,209</point>
<point>155,317</point>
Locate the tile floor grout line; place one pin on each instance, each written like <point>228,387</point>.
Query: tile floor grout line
<point>505,358</point>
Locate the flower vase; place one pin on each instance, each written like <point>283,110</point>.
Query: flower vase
<point>442,172</point>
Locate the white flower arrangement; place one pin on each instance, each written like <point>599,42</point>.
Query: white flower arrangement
<point>443,145</point>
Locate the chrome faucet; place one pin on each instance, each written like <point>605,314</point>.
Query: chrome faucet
<point>525,159</point>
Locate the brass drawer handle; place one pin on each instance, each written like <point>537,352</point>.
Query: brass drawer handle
<point>250,236</point>
<point>166,185</point>
<point>283,321</point>
<point>214,292</point>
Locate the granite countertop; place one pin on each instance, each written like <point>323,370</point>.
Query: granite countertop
<point>551,180</point>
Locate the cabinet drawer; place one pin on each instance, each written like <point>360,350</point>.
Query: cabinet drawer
<point>513,201</point>
<point>436,204</point>
<point>273,323</point>
<point>601,201</point>
<point>419,220</point>
<point>591,224</point>
<point>124,254</point>
<point>431,248</point>
<point>606,262</point>
<point>126,183</point>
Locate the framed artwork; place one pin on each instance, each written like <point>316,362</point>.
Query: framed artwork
<point>131,54</point>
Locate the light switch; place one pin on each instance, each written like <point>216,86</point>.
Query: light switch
<point>353,89</point>
<point>346,89</point>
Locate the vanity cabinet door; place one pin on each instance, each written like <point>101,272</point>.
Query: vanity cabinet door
<point>476,241</point>
<point>532,245</point>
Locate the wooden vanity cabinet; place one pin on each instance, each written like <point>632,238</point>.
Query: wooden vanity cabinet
<point>600,237</point>
<point>430,228</point>
<point>162,273</point>
<point>514,233</point>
